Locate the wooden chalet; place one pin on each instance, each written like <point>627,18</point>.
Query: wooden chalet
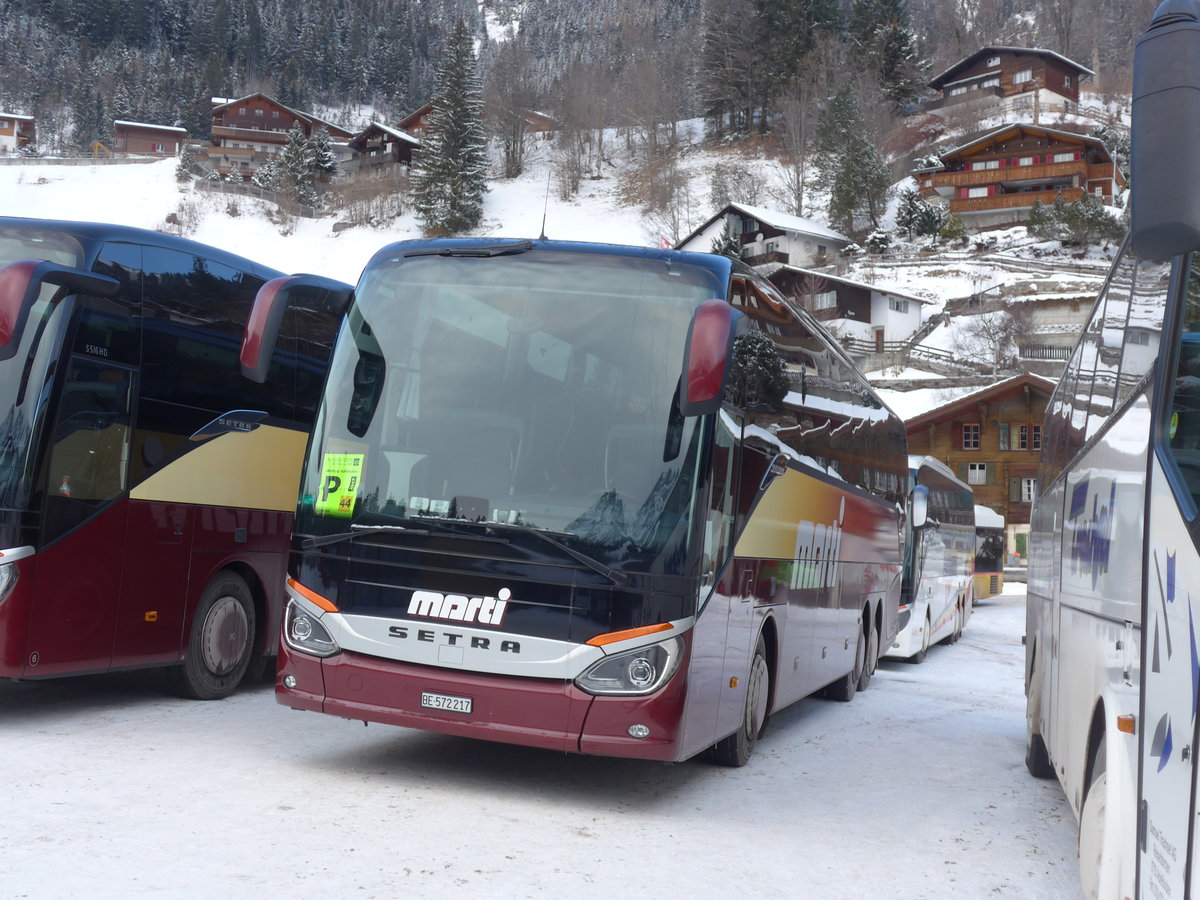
<point>995,179</point>
<point>1008,71</point>
<point>248,131</point>
<point>416,122</point>
<point>17,132</point>
<point>380,145</point>
<point>767,238</point>
<point>992,439</point>
<point>142,139</point>
<point>871,317</point>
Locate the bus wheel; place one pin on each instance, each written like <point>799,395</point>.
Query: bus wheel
<point>1099,850</point>
<point>221,641</point>
<point>872,660</point>
<point>958,625</point>
<point>843,689</point>
<point>735,750</point>
<point>919,656</point>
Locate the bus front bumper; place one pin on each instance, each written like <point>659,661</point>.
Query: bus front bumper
<point>555,715</point>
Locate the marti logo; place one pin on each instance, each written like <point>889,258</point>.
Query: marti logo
<point>818,549</point>
<point>460,608</point>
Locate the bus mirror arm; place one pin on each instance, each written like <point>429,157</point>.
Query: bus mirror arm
<point>266,317</point>
<point>20,284</point>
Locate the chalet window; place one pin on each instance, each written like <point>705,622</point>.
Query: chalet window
<point>990,82</point>
<point>825,300</point>
<point>1002,433</point>
<point>895,304</point>
<point>258,113</point>
<point>977,473</point>
<point>4,123</point>
<point>1069,156</point>
<point>955,91</point>
<point>1027,161</point>
<point>970,437</point>
<point>993,61</point>
<point>1022,490</point>
<point>985,164</point>
<point>1137,337</point>
<point>1022,76</point>
<point>979,192</point>
<point>1029,437</point>
<point>274,114</point>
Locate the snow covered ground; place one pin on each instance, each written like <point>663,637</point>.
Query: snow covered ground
<point>916,790</point>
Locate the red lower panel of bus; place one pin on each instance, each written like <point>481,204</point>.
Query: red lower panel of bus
<point>535,713</point>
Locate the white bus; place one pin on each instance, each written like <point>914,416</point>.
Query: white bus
<point>1112,669</point>
<point>935,594</point>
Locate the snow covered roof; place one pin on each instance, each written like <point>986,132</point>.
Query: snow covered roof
<point>8,115</point>
<point>991,390</point>
<point>392,132</point>
<point>941,80</point>
<point>129,124</point>
<point>887,291</point>
<point>1073,136</point>
<point>782,221</point>
<point>986,517</point>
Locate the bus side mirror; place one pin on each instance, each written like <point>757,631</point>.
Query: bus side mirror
<point>266,317</point>
<point>20,284</point>
<point>707,356</point>
<point>1165,168</point>
<point>920,506</point>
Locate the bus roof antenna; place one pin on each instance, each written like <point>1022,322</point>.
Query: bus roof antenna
<point>545,207</point>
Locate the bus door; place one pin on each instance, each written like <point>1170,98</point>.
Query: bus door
<point>83,519</point>
<point>1170,679</point>
<point>711,714</point>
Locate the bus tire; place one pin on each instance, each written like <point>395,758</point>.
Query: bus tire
<point>1099,845</point>
<point>844,688</point>
<point>958,625</point>
<point>1037,759</point>
<point>221,641</point>
<point>735,750</point>
<point>872,660</point>
<point>919,656</point>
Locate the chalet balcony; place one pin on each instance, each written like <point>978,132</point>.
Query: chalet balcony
<point>775,256</point>
<point>1014,201</point>
<point>264,135</point>
<point>947,181</point>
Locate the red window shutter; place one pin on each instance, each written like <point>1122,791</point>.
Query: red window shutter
<point>1003,163</point>
<point>1036,159</point>
<point>1016,161</point>
<point>991,190</point>
<point>1079,154</point>
<point>968,166</point>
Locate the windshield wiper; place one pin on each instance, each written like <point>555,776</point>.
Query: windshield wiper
<point>327,540</point>
<point>476,251</point>
<point>613,575</point>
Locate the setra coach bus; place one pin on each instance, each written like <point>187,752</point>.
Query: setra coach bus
<point>935,594</point>
<point>593,498</point>
<point>146,488</point>
<point>1112,667</point>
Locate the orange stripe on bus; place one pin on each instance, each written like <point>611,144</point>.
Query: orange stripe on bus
<point>613,636</point>
<point>311,595</point>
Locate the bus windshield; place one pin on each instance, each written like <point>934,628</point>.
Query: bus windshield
<point>497,392</point>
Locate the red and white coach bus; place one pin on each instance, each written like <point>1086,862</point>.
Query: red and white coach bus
<point>146,488</point>
<point>1113,672</point>
<point>531,511</point>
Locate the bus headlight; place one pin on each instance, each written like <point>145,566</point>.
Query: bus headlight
<point>640,671</point>
<point>304,632</point>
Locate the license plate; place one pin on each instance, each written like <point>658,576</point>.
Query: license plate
<point>445,701</point>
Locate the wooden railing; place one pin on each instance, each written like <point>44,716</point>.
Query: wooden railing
<point>1040,172</point>
<point>775,256</point>
<point>1013,201</point>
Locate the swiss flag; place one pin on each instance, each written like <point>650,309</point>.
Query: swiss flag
<point>663,243</point>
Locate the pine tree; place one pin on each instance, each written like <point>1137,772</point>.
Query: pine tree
<point>725,244</point>
<point>324,162</point>
<point>851,164</point>
<point>295,169</point>
<point>450,170</point>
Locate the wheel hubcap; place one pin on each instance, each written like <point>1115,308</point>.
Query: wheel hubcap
<point>756,697</point>
<point>226,629</point>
